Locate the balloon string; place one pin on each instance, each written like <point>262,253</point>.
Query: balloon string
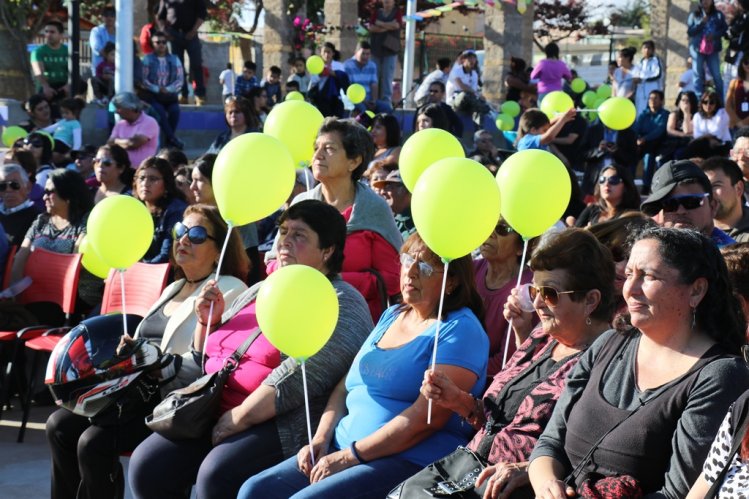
<point>586,111</point>
<point>124,309</point>
<point>306,177</point>
<point>517,285</point>
<point>229,226</point>
<point>437,333</point>
<point>306,408</point>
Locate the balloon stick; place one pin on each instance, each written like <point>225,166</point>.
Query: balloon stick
<point>517,286</point>
<point>437,333</point>
<point>306,408</point>
<point>124,312</point>
<point>218,271</point>
<point>587,110</point>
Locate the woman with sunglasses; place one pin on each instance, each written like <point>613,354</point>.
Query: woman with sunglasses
<point>614,194</point>
<point>40,144</point>
<point>240,118</point>
<point>85,455</point>
<point>154,185</point>
<point>263,416</point>
<point>374,432</point>
<point>496,275</point>
<point>643,404</point>
<point>711,121</point>
<point>113,172</point>
<point>737,98</point>
<point>572,293</point>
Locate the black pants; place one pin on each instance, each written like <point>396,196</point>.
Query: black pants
<point>85,457</point>
<point>161,468</point>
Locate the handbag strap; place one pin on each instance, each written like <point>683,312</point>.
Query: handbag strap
<point>738,437</point>
<point>233,360</point>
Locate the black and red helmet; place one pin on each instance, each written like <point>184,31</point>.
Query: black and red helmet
<point>85,372</point>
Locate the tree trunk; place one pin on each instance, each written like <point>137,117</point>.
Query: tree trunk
<point>15,68</point>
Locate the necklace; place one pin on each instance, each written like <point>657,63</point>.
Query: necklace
<point>198,280</point>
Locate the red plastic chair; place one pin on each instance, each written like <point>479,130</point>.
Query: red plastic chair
<point>144,283</point>
<point>8,266</point>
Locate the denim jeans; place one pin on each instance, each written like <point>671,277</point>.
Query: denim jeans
<point>713,65</point>
<point>168,112</point>
<point>179,45</point>
<point>372,480</point>
<point>386,72</point>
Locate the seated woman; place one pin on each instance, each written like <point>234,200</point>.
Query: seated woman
<point>614,194</point>
<point>154,185</point>
<point>263,418</point>
<point>711,121</point>
<point>113,172</point>
<point>343,149</point>
<point>374,432</point>
<point>85,455</point>
<point>645,403</point>
<point>240,118</point>
<point>496,276</point>
<point>680,127</point>
<point>386,135</point>
<point>431,116</point>
<point>519,402</point>
<point>40,144</point>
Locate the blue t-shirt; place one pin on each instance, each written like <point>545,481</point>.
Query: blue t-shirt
<point>382,383</point>
<point>530,141</point>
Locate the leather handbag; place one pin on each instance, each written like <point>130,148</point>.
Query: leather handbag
<point>190,412</point>
<point>452,476</point>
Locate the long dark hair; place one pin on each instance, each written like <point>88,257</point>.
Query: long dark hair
<point>693,104</point>
<point>70,186</point>
<point>630,197</point>
<point>437,115</point>
<point>171,190</point>
<point>121,158</point>
<point>392,128</point>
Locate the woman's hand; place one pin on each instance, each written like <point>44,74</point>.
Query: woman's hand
<point>502,479</point>
<point>521,321</point>
<point>304,456</point>
<point>437,386</point>
<point>331,464</point>
<point>227,425</point>
<point>126,343</point>
<point>555,489</point>
<point>209,294</point>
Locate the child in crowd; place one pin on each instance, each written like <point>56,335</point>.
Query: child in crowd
<point>292,86</point>
<point>103,80</point>
<point>246,81</point>
<point>68,129</point>
<point>536,131</point>
<point>272,86</point>
<point>299,75</point>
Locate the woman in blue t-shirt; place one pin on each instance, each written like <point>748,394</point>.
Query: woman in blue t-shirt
<point>374,431</point>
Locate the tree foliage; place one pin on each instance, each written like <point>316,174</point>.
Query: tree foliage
<point>555,20</point>
<point>636,14</point>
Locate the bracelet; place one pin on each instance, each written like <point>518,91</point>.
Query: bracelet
<point>472,418</point>
<point>352,448</point>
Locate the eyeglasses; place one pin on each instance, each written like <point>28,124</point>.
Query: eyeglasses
<point>689,202</point>
<point>103,161</point>
<point>612,180</point>
<point>548,294</point>
<point>148,179</point>
<point>13,185</point>
<point>49,192</point>
<point>196,235</point>
<point>35,142</point>
<point>502,229</point>
<point>425,269</point>
<point>709,102</point>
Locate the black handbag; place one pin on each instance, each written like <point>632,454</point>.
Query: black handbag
<point>452,476</point>
<point>190,412</point>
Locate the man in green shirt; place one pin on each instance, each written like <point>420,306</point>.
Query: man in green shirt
<point>49,63</point>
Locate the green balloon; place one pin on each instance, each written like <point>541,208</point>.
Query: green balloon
<point>578,85</point>
<point>604,91</point>
<point>589,98</point>
<point>510,108</point>
<point>505,122</point>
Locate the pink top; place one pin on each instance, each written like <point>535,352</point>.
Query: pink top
<point>144,125</point>
<point>256,364</point>
<point>549,73</point>
<point>494,321</point>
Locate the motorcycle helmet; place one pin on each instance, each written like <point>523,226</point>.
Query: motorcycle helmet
<point>86,373</point>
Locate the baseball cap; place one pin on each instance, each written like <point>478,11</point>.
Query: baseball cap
<point>394,177</point>
<point>667,177</point>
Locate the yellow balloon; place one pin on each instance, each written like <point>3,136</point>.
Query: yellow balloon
<point>535,189</point>
<point>91,261</point>
<point>555,103</point>
<point>252,177</point>
<point>424,148</point>
<point>12,134</point>
<point>120,230</point>
<point>505,122</point>
<point>617,113</point>
<point>356,93</point>
<point>310,294</point>
<point>455,206</point>
<point>315,65</point>
<point>578,85</point>
<point>604,91</point>
<point>294,95</point>
<point>295,123</point>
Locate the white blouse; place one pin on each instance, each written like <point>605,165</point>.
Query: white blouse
<point>717,126</point>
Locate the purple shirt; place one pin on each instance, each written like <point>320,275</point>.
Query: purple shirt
<point>144,125</point>
<point>549,73</point>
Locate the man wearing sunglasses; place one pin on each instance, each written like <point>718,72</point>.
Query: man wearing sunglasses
<point>682,198</point>
<point>17,211</point>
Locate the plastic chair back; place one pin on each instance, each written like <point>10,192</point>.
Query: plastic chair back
<point>144,283</point>
<point>8,266</point>
<point>54,278</point>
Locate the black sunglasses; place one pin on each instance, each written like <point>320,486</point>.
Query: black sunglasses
<point>689,202</point>
<point>612,180</point>
<point>196,234</point>
<point>709,102</point>
<point>13,185</point>
<point>549,294</point>
<point>35,142</point>
<point>502,229</point>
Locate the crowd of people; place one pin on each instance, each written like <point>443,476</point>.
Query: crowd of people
<point>609,365</point>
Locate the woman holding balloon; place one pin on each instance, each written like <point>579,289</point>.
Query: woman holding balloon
<point>263,418</point>
<point>374,432</point>
<point>343,149</point>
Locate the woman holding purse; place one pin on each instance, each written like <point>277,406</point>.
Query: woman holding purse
<point>705,28</point>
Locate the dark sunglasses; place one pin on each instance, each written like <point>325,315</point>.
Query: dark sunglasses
<point>13,185</point>
<point>103,162</point>
<point>612,180</point>
<point>49,192</point>
<point>548,294</point>
<point>35,142</point>
<point>502,229</point>
<point>196,234</point>
<point>709,102</point>
<point>689,202</point>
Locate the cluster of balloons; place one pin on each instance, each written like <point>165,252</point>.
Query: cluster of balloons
<point>616,113</point>
<point>506,118</point>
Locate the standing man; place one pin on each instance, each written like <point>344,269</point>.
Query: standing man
<point>385,29</point>
<point>362,70</point>
<point>650,75</point>
<point>101,35</point>
<point>180,20</point>
<point>136,132</point>
<point>49,63</point>
<point>162,78</point>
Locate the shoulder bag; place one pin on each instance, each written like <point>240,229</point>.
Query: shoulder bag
<point>190,411</point>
